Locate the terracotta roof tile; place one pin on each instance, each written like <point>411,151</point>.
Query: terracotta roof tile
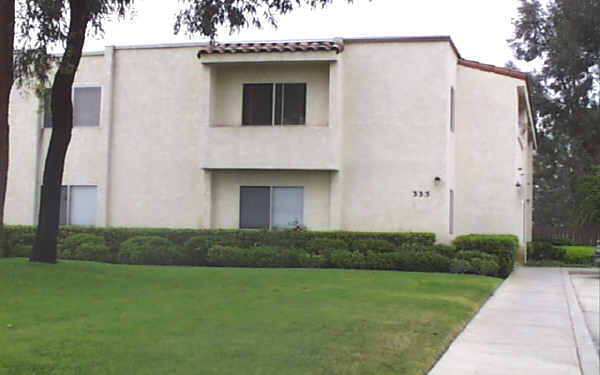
<point>494,69</point>
<point>336,45</point>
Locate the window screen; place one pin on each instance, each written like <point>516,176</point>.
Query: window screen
<point>254,207</point>
<point>82,205</point>
<point>287,211</point>
<point>47,108</point>
<point>258,104</point>
<point>86,106</point>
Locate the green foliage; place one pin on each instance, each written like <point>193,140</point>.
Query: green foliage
<point>324,246</point>
<point>281,248</point>
<point>264,257</point>
<point>544,250</point>
<point>590,189</point>
<point>562,37</point>
<point>460,266</point>
<point>85,246</point>
<point>147,250</point>
<point>373,244</point>
<point>194,250</point>
<point>20,241</point>
<point>503,246</point>
<point>579,254</point>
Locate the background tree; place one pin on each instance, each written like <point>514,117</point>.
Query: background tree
<point>44,23</point>
<point>7,31</point>
<point>564,37</point>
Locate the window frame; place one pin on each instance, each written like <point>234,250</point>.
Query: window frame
<point>47,106</point>
<point>274,101</point>
<point>271,206</point>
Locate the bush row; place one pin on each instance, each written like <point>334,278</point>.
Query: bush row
<point>23,237</point>
<point>548,251</point>
<point>491,255</point>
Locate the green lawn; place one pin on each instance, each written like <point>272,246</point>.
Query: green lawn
<point>93,318</point>
<point>579,254</point>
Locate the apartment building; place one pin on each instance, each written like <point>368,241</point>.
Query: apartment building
<point>382,134</point>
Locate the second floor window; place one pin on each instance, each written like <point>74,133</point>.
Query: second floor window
<point>274,104</point>
<point>86,106</point>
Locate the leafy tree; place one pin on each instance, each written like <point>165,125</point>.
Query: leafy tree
<point>43,23</point>
<point>7,30</point>
<point>590,188</point>
<point>564,37</point>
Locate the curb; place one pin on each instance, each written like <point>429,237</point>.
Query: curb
<point>589,363</point>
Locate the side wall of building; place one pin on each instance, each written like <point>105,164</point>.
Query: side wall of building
<point>396,118</point>
<point>488,155</point>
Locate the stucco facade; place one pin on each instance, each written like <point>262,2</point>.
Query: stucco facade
<point>171,148</point>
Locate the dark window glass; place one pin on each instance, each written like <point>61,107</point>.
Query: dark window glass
<point>294,104</point>
<point>258,104</point>
<point>254,207</point>
<point>47,108</point>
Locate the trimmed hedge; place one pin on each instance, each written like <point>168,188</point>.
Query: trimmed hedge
<point>84,246</point>
<point>545,250</point>
<point>491,255</point>
<point>503,246</point>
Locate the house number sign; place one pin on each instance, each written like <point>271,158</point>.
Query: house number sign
<point>421,194</point>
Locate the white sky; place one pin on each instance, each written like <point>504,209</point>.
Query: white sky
<point>479,28</point>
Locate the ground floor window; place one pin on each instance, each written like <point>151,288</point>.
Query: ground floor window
<point>271,207</point>
<point>78,205</point>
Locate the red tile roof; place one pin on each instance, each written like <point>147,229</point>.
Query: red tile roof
<point>336,45</point>
<point>494,69</point>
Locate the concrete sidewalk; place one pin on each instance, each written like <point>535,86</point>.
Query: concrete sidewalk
<point>533,324</point>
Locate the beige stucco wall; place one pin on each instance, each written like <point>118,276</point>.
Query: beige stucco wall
<point>396,122</point>
<point>226,194</point>
<point>488,154</point>
<point>25,123</point>
<point>160,113</point>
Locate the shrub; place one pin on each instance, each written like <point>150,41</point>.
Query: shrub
<point>194,251</point>
<point>580,254</point>
<point>324,246</point>
<point>488,268</point>
<point>84,246</point>
<point>347,259</point>
<point>460,266</point>
<point>372,244</point>
<point>503,246</point>
<point>146,250</point>
<point>380,261</point>
<point>544,250</point>
<point>20,244</point>
<point>445,250</point>
<point>21,251</point>
<point>429,261</point>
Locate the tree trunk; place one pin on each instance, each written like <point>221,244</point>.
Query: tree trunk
<point>44,249</point>
<point>7,32</point>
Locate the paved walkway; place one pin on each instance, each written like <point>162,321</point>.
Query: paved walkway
<point>533,324</point>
